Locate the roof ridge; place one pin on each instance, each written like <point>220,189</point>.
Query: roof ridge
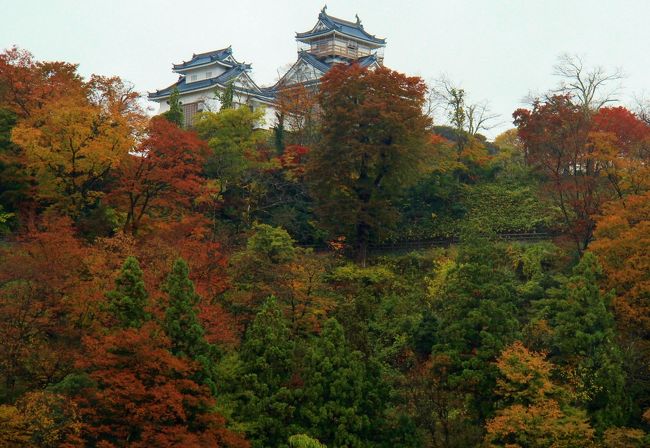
<point>345,22</point>
<point>209,53</point>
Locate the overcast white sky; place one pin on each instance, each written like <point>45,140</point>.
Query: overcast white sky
<point>498,50</point>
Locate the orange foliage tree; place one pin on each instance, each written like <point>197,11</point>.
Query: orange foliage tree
<point>587,158</point>
<point>536,412</point>
<point>622,245</point>
<point>49,293</point>
<point>141,395</point>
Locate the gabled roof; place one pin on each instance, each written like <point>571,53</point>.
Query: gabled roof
<point>313,61</point>
<point>318,64</point>
<point>222,56</point>
<point>367,61</point>
<point>327,24</point>
<point>220,81</point>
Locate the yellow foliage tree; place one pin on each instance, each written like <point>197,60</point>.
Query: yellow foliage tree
<point>70,145</point>
<point>536,416</point>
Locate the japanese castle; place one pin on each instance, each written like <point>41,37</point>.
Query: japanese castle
<point>331,41</point>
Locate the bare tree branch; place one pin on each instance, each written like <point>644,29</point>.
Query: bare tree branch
<point>591,87</point>
<point>472,118</point>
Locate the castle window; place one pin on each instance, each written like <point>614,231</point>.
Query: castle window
<point>193,78</point>
<point>208,75</point>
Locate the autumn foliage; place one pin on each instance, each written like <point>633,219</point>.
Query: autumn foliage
<point>228,285</point>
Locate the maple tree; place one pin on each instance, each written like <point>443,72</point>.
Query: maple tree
<point>374,140</point>
<point>45,304</point>
<point>588,158</point>
<point>163,177</point>
<point>622,143</point>
<point>26,85</point>
<point>71,145</point>
<point>142,395</point>
<point>555,137</point>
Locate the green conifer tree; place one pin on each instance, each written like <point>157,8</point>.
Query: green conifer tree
<point>128,301</point>
<point>584,340</point>
<point>343,398</point>
<point>266,402</point>
<point>181,320</point>
<point>175,112</point>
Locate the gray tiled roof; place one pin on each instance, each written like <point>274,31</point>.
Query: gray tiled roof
<point>220,81</point>
<point>205,58</point>
<point>342,26</point>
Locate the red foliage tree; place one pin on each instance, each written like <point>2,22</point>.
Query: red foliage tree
<point>27,84</point>
<point>163,177</point>
<point>143,396</point>
<point>48,297</point>
<point>621,142</point>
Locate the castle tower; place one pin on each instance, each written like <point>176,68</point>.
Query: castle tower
<point>336,40</point>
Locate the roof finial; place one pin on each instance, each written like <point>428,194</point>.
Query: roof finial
<point>324,9</point>
<point>358,19</point>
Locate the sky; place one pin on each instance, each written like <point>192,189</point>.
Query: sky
<point>497,50</point>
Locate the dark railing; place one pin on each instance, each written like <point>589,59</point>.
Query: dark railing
<point>421,244</point>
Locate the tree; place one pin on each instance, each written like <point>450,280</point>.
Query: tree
<point>623,249</point>
<point>128,301</point>
<point>163,178</point>
<point>175,112</point>
<point>226,96</point>
<point>304,441</point>
<point>71,145</point>
<point>182,325</point>
<point>52,419</point>
<point>534,414</point>
<point>583,342</point>
<point>141,395</point>
<point>621,142</point>
<point>475,299</point>
<point>272,266</point>
<point>264,394</point>
<point>465,118</point>
<point>298,114</point>
<point>234,138</point>
<point>343,397</point>
<point>585,84</point>
<point>555,136</point>
<point>26,85</point>
<point>374,141</point>
<point>48,296</point>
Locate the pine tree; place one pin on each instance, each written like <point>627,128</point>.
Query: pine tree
<point>584,341</point>
<point>128,301</point>
<point>344,398</point>
<point>175,112</point>
<point>266,403</point>
<point>181,320</point>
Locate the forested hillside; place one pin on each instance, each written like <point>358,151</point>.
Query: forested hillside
<point>223,285</point>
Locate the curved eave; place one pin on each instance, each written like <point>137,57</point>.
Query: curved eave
<point>257,94</point>
<point>302,37</point>
<point>269,100</point>
<point>178,68</point>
